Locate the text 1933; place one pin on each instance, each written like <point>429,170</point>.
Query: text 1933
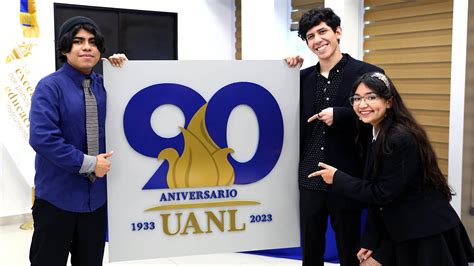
<point>143,226</point>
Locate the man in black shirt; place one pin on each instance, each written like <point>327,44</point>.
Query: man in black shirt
<point>327,134</point>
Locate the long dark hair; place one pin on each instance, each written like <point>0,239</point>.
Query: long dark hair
<point>399,118</point>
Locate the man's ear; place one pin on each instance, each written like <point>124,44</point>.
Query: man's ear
<point>339,32</point>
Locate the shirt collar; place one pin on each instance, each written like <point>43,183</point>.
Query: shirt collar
<point>77,76</point>
<point>337,68</point>
<point>375,133</point>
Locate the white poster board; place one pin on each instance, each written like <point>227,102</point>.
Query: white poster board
<point>205,157</point>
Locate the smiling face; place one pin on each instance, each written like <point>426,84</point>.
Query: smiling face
<point>84,54</point>
<point>323,41</point>
<point>371,108</point>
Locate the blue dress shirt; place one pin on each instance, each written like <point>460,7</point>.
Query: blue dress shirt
<point>58,135</point>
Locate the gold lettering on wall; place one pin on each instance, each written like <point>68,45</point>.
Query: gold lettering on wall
<point>18,88</point>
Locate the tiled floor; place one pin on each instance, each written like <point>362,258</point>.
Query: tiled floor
<point>15,243</point>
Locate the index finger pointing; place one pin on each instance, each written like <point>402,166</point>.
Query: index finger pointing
<point>322,165</point>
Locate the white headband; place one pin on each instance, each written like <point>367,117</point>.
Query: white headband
<point>382,77</point>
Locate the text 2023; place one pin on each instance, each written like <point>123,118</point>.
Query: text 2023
<point>261,218</point>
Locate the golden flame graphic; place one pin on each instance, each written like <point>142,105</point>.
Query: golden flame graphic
<point>203,163</point>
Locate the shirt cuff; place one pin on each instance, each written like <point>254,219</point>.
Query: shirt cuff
<point>88,164</point>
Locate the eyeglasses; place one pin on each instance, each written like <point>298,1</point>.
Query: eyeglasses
<point>369,98</point>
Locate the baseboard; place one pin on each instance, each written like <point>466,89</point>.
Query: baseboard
<point>15,219</point>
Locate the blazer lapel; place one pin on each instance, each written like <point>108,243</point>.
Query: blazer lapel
<point>369,161</point>
<point>345,88</point>
<point>309,95</point>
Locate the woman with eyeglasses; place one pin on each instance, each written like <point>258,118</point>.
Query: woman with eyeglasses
<point>410,220</point>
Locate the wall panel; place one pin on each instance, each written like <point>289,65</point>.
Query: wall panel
<point>412,40</point>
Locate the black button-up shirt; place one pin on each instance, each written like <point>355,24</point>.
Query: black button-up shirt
<point>326,89</point>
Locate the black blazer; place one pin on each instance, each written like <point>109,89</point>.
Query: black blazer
<point>340,150</point>
<point>399,209</point>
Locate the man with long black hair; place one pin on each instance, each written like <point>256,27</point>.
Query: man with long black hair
<point>67,131</point>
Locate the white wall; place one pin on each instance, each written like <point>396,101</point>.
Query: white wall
<point>458,87</point>
<point>265,29</point>
<point>15,193</point>
<point>205,31</point>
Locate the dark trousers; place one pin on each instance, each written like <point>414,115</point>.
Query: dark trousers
<point>314,212</point>
<point>58,232</point>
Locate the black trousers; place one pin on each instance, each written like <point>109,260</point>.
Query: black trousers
<point>314,212</point>
<point>58,232</point>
